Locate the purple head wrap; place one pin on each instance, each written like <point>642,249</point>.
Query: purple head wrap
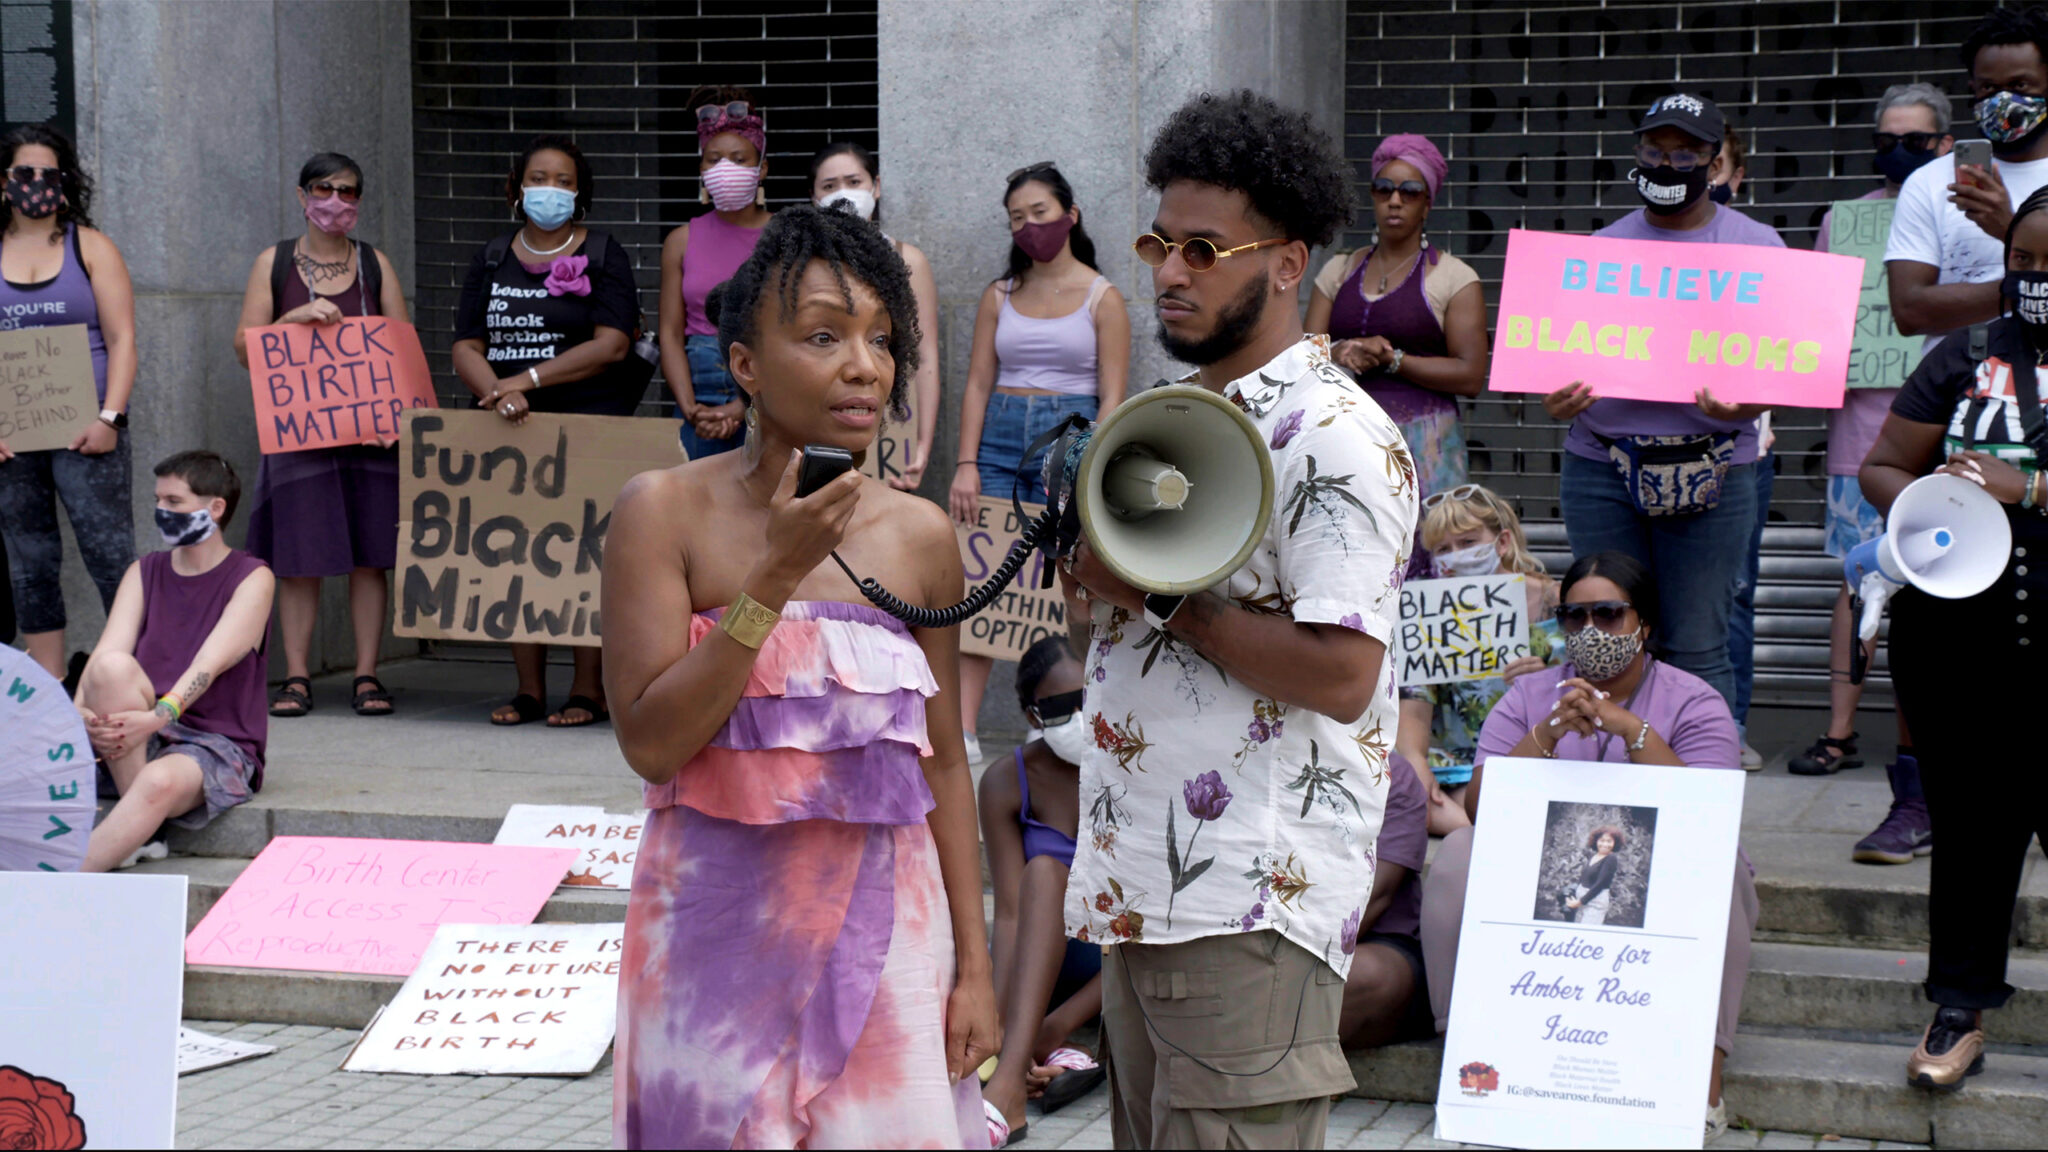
<point>1418,151</point>
<point>748,128</point>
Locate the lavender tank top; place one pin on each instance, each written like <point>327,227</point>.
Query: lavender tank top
<point>712,252</point>
<point>1055,355</point>
<point>1404,318</point>
<point>178,614</point>
<point>65,298</point>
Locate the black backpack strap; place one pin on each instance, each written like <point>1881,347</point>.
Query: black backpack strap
<point>1980,348</point>
<point>280,268</point>
<point>496,251</point>
<point>372,270</point>
<point>2033,423</point>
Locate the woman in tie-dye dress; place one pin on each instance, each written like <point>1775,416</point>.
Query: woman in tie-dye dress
<point>805,961</point>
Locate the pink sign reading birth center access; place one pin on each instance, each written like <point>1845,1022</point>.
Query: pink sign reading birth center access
<point>1660,320</point>
<point>331,904</point>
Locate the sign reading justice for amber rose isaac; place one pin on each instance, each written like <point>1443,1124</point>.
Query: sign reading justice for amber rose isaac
<point>1660,320</point>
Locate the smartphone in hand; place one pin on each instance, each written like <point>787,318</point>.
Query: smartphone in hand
<point>1974,152</point>
<point>822,464</point>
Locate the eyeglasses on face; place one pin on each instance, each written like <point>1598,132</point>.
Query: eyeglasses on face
<point>322,189</point>
<point>1028,169</point>
<point>1384,189</point>
<point>1199,254</point>
<point>27,172</point>
<point>1050,710</point>
<point>737,110</point>
<point>1915,141</point>
<point>1680,159</point>
<point>1461,493</point>
<point>1609,615</point>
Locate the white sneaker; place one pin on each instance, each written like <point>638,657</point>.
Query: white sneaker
<point>154,850</point>
<point>973,751</point>
<point>1717,1122</point>
<point>1752,760</point>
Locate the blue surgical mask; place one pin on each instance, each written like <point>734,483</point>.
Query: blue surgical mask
<point>548,208</point>
<point>183,529</point>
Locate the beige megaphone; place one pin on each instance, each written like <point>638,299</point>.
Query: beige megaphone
<point>1174,489</point>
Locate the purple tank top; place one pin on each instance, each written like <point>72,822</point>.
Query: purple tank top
<point>1055,354</point>
<point>1404,318</point>
<point>178,614</point>
<point>712,252</point>
<point>352,300</point>
<point>65,298</point>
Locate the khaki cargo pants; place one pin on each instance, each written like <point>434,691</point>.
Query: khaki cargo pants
<point>1233,1003</point>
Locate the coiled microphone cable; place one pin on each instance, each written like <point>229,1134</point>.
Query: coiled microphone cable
<point>976,600</point>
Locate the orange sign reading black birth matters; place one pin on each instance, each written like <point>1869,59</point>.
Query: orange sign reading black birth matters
<point>327,385</point>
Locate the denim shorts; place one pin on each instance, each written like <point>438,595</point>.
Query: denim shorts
<point>1012,423</point>
<point>1852,520</point>
<point>711,384</point>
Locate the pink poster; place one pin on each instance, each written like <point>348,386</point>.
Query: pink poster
<point>1657,320</point>
<point>329,904</point>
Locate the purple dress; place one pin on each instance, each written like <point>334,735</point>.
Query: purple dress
<point>1428,420</point>
<point>326,511</point>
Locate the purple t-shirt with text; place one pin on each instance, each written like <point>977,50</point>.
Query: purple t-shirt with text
<point>1617,418</point>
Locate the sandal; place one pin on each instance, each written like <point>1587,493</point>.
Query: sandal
<point>526,710</point>
<point>295,694</point>
<point>1000,1134</point>
<point>374,694</point>
<point>1080,1076</point>
<point>1826,757</point>
<point>597,713</point>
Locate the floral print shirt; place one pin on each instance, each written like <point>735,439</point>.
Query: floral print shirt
<point>1208,808</point>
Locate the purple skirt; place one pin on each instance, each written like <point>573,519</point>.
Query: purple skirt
<point>326,511</point>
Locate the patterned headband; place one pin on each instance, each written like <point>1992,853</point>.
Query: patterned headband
<point>749,128</point>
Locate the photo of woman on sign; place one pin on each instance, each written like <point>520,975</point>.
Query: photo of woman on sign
<point>1596,864</point>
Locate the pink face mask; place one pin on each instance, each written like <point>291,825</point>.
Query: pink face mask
<point>331,215</point>
<point>1043,240</point>
<point>732,186</point>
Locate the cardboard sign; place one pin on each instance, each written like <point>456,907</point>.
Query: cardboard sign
<point>1025,613</point>
<point>526,1000</point>
<point>198,1051</point>
<point>1462,628</point>
<point>893,448</point>
<point>1590,1026</point>
<point>320,386</point>
<point>47,391</point>
<point>1660,320</point>
<point>89,1009</point>
<point>606,845</point>
<point>501,532</point>
<point>1880,357</point>
<point>331,904</point>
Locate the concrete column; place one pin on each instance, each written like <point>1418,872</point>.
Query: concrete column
<point>971,91</point>
<point>193,120</point>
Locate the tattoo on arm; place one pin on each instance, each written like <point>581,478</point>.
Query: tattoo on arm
<point>194,686</point>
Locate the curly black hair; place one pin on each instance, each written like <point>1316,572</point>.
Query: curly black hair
<point>794,237</point>
<point>2007,25</point>
<point>77,206</point>
<point>1292,171</point>
<point>515,180</point>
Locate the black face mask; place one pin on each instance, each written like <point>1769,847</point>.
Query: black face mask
<point>1898,162</point>
<point>1720,193</point>
<point>2028,293</point>
<point>35,198</point>
<point>1666,191</point>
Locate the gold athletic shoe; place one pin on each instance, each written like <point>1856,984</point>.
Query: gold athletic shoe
<point>1951,1049</point>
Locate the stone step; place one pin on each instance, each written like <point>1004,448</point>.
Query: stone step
<point>1810,1084</point>
<point>1873,990</point>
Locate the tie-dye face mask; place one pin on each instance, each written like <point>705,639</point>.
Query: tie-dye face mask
<point>2011,120</point>
<point>184,529</point>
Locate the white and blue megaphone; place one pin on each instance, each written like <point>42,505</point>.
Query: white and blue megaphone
<point>1945,536</point>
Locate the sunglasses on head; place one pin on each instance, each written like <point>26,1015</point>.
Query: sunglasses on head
<point>322,189</point>
<point>1198,253</point>
<point>1915,141</point>
<point>1028,169</point>
<point>1610,615</point>
<point>28,172</point>
<point>1051,710</point>
<point>1461,493</point>
<point>737,110</point>
<point>1384,189</point>
<point>1681,159</point>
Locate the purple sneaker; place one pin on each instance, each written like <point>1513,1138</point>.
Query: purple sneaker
<point>1905,833</point>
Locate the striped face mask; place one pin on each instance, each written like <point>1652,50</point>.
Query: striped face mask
<point>731,185</point>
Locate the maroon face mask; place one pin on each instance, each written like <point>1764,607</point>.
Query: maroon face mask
<point>1043,241</point>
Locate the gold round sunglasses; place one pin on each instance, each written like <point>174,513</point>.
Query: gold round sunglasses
<point>1199,254</point>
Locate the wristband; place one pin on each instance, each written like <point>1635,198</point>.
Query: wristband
<point>177,706</point>
<point>1394,367</point>
<point>959,464</point>
<point>749,621</point>
<point>2026,486</point>
<point>1641,739</point>
<point>533,374</point>
<point>1549,753</point>
<point>1159,609</point>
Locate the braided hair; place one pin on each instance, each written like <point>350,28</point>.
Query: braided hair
<point>794,238</point>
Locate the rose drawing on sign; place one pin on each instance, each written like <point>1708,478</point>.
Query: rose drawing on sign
<point>1206,796</point>
<point>1477,1079</point>
<point>36,1113</point>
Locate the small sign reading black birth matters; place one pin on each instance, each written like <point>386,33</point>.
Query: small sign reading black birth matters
<point>47,394</point>
<point>36,80</point>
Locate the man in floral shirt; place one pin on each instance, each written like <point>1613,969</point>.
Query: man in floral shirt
<point>1234,789</point>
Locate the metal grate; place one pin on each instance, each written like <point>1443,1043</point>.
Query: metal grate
<point>1533,104</point>
<point>616,75</point>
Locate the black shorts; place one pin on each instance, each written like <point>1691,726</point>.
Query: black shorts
<point>1418,1022</point>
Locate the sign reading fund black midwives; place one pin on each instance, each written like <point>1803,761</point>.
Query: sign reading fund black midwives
<point>1589,964</point>
<point>1462,628</point>
<point>501,533</point>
